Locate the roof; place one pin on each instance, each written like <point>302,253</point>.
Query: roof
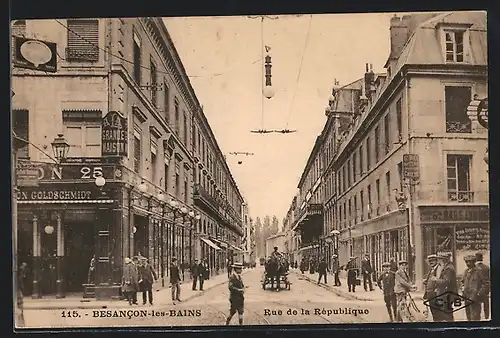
<point>424,45</point>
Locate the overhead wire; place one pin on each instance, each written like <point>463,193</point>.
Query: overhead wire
<point>300,71</point>
<point>14,134</point>
<point>141,66</point>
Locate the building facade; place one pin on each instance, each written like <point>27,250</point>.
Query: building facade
<point>277,240</point>
<point>122,100</point>
<point>403,153</point>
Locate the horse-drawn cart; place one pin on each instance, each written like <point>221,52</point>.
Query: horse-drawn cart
<point>268,280</point>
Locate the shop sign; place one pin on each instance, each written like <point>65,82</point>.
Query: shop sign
<point>27,174</point>
<point>57,193</point>
<point>475,238</point>
<point>43,172</point>
<point>454,214</point>
<point>411,167</point>
<point>35,54</point>
<point>114,134</point>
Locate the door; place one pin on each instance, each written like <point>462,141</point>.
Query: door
<point>80,248</point>
<point>48,268</point>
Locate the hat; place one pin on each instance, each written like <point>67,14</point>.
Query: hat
<point>445,255</point>
<point>470,258</point>
<point>432,257</point>
<point>275,248</point>
<point>237,266</point>
<point>479,256</point>
<point>386,264</point>
<point>135,258</point>
<point>335,255</point>
<point>402,262</point>
<point>127,260</point>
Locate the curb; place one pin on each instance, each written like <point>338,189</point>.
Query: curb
<point>343,293</point>
<point>112,304</point>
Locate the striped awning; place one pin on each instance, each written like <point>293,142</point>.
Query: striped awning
<point>210,243</point>
<point>67,202</point>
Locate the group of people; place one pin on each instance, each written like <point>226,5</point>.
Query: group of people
<point>138,276</point>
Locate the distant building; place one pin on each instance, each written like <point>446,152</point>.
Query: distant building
<point>276,240</point>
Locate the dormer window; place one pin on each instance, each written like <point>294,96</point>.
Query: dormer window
<point>454,45</point>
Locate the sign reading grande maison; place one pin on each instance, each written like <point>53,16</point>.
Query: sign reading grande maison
<point>114,134</point>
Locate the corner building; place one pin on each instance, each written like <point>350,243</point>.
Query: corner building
<point>131,67</point>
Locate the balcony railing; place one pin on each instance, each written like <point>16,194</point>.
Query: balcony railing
<point>458,126</point>
<point>461,196</point>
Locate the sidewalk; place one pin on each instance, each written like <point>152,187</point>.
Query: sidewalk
<point>161,296</point>
<point>342,291</point>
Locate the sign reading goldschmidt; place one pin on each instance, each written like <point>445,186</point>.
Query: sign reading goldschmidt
<point>114,134</point>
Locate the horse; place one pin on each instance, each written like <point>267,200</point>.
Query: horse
<point>274,270</point>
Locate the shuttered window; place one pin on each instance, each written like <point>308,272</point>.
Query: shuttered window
<point>83,40</point>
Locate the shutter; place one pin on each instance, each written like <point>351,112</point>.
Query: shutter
<point>83,40</point>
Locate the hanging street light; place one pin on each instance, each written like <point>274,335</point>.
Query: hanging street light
<point>60,147</point>
<point>268,90</point>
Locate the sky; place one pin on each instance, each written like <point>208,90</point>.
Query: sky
<point>222,58</point>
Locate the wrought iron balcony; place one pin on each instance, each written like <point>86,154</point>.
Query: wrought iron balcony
<point>459,126</point>
<point>461,196</point>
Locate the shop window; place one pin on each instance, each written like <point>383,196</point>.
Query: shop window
<point>458,172</point>
<point>83,40</point>
<point>457,100</point>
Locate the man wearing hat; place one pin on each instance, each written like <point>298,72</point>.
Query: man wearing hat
<point>129,281</point>
<point>147,276</point>
<point>367,270</point>
<point>472,282</point>
<point>386,283</point>
<point>445,280</point>
<point>351,274</point>
<point>430,286</point>
<point>336,270</point>
<point>484,297</point>
<point>236,294</point>
<point>402,288</point>
<point>175,281</point>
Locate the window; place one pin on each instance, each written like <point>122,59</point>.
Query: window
<point>137,59</point>
<point>154,149</point>
<point>369,201</point>
<point>193,132</point>
<point>368,154</point>
<point>388,185</point>
<point>84,139</point>
<point>137,151</point>
<point>457,100</point>
<point>83,40</point>
<point>354,167</point>
<point>154,81</point>
<point>399,118</point>
<point>387,133</point>
<point>177,185</point>
<point>349,210</point>
<point>185,129</point>
<point>167,175</point>
<point>362,204</point>
<point>454,41</point>
<point>377,194</point>
<point>185,189</point>
<point>458,172</point>
<point>355,209</point>
<point>361,167</point>
<point>377,145</point>
<point>166,101</point>
<point>20,124</point>
<point>177,116</point>
<point>349,178</point>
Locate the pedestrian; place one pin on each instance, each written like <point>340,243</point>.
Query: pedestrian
<point>147,276</point>
<point>91,272</point>
<point>336,270</point>
<point>367,271</point>
<point>351,274</point>
<point>484,298</point>
<point>402,288</point>
<point>195,273</point>
<point>386,282</point>
<point>129,281</point>
<point>472,283</point>
<point>175,281</point>
<point>202,273</point>
<point>322,269</point>
<point>446,281</point>
<point>236,294</point>
<point>229,268</point>
<point>394,265</point>
<point>22,276</point>
<point>430,287</point>
<point>136,263</point>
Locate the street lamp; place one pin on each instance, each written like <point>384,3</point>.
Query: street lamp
<point>60,147</point>
<point>335,234</point>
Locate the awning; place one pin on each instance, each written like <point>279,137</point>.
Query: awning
<point>222,244</point>
<point>210,243</point>
<point>235,248</point>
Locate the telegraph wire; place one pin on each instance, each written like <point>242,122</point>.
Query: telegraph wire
<point>14,134</point>
<point>141,66</point>
<point>300,71</point>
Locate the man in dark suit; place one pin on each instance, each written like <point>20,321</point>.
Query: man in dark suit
<point>472,282</point>
<point>367,271</point>
<point>322,269</point>
<point>202,273</point>
<point>430,286</point>
<point>336,270</point>
<point>175,281</point>
<point>446,281</point>
<point>147,276</point>
<point>386,282</point>
<point>195,273</point>
<point>484,297</point>
<point>236,294</point>
<point>351,274</point>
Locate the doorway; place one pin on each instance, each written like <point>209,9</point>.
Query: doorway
<point>141,236</point>
<point>80,248</point>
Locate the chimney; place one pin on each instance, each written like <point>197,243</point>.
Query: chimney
<point>399,34</point>
<point>369,78</point>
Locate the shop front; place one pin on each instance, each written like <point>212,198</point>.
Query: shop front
<point>461,230</point>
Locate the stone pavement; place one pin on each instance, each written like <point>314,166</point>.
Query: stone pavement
<point>160,296</point>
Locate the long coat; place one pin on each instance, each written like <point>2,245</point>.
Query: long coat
<point>402,282</point>
<point>147,273</point>
<point>447,280</point>
<point>130,277</point>
<point>485,277</point>
<point>473,283</point>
